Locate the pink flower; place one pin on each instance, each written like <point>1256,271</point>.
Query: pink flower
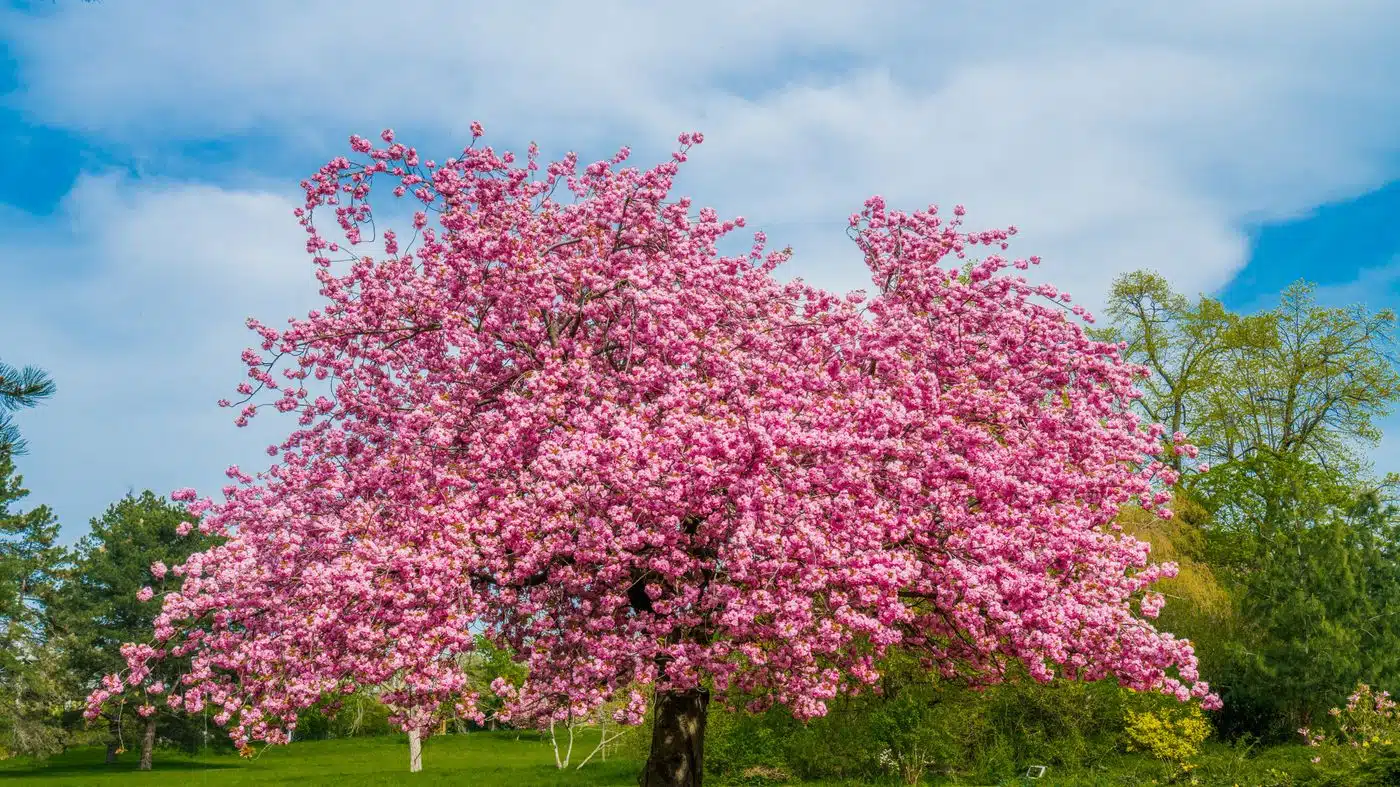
<point>158,570</point>
<point>1152,604</point>
<point>145,594</point>
<point>564,421</point>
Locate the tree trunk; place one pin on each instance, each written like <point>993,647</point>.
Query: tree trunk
<point>415,751</point>
<point>148,743</point>
<point>114,732</point>
<point>677,740</point>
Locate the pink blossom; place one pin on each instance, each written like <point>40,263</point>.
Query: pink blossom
<point>1152,604</point>
<point>564,421</point>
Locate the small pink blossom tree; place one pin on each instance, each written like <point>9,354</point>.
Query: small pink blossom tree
<point>575,426</point>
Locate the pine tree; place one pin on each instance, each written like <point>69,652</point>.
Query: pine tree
<point>130,547</point>
<point>30,562</point>
<point>20,388</point>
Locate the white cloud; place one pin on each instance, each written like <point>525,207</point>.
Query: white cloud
<point>138,314</point>
<point>1115,135</point>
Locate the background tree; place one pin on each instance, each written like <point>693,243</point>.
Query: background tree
<point>485,664</point>
<point>1200,605</point>
<point>1283,404</point>
<point>1300,380</point>
<point>1182,344</point>
<point>20,388</point>
<point>1306,381</point>
<point>111,595</point>
<point>30,562</point>
<point>1311,556</point>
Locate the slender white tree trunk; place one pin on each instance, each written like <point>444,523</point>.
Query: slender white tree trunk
<point>562,762</point>
<point>415,751</point>
<point>602,748</point>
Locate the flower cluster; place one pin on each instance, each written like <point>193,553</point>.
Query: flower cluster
<point>575,427</point>
<point>1370,718</point>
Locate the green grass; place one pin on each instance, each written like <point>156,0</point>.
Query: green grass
<point>498,758</point>
<point>479,758</point>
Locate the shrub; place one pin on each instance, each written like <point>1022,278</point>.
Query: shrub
<point>1362,746</point>
<point>1170,734</point>
<point>736,742</point>
<point>913,732</point>
<point>1063,724</point>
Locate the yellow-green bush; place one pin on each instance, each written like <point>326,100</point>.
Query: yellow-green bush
<point>1170,734</point>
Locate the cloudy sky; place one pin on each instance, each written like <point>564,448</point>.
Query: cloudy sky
<point>154,149</point>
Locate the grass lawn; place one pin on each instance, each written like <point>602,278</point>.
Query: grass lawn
<point>479,759</point>
<point>497,758</point>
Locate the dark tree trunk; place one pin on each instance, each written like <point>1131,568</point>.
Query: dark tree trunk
<point>114,731</point>
<point>148,743</point>
<point>677,740</point>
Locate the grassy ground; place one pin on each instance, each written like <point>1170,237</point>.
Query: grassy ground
<point>479,759</point>
<point>499,759</point>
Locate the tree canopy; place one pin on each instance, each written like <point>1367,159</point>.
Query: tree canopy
<point>639,463</point>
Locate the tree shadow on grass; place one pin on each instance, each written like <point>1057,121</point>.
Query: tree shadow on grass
<point>51,768</point>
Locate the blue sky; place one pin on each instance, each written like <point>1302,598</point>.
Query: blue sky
<point>154,150</point>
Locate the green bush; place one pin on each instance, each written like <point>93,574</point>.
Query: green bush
<point>1064,725</point>
<point>737,741</point>
<point>918,728</point>
<point>357,715</point>
<point>1383,766</point>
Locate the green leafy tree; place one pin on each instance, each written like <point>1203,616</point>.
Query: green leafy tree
<point>1300,380</point>
<point>20,388</point>
<point>1305,381</point>
<point>1199,604</point>
<point>1181,342</point>
<point>1313,560</point>
<point>487,663</point>
<point>1283,405</point>
<point>134,545</point>
<point>30,562</point>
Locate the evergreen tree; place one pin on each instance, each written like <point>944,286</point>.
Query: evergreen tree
<point>20,388</point>
<point>30,561</point>
<point>1312,560</point>
<point>135,544</point>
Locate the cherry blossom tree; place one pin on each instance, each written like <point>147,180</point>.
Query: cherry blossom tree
<point>657,473</point>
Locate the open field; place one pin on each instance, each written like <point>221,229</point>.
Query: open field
<point>479,759</point>
<point>500,759</point>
